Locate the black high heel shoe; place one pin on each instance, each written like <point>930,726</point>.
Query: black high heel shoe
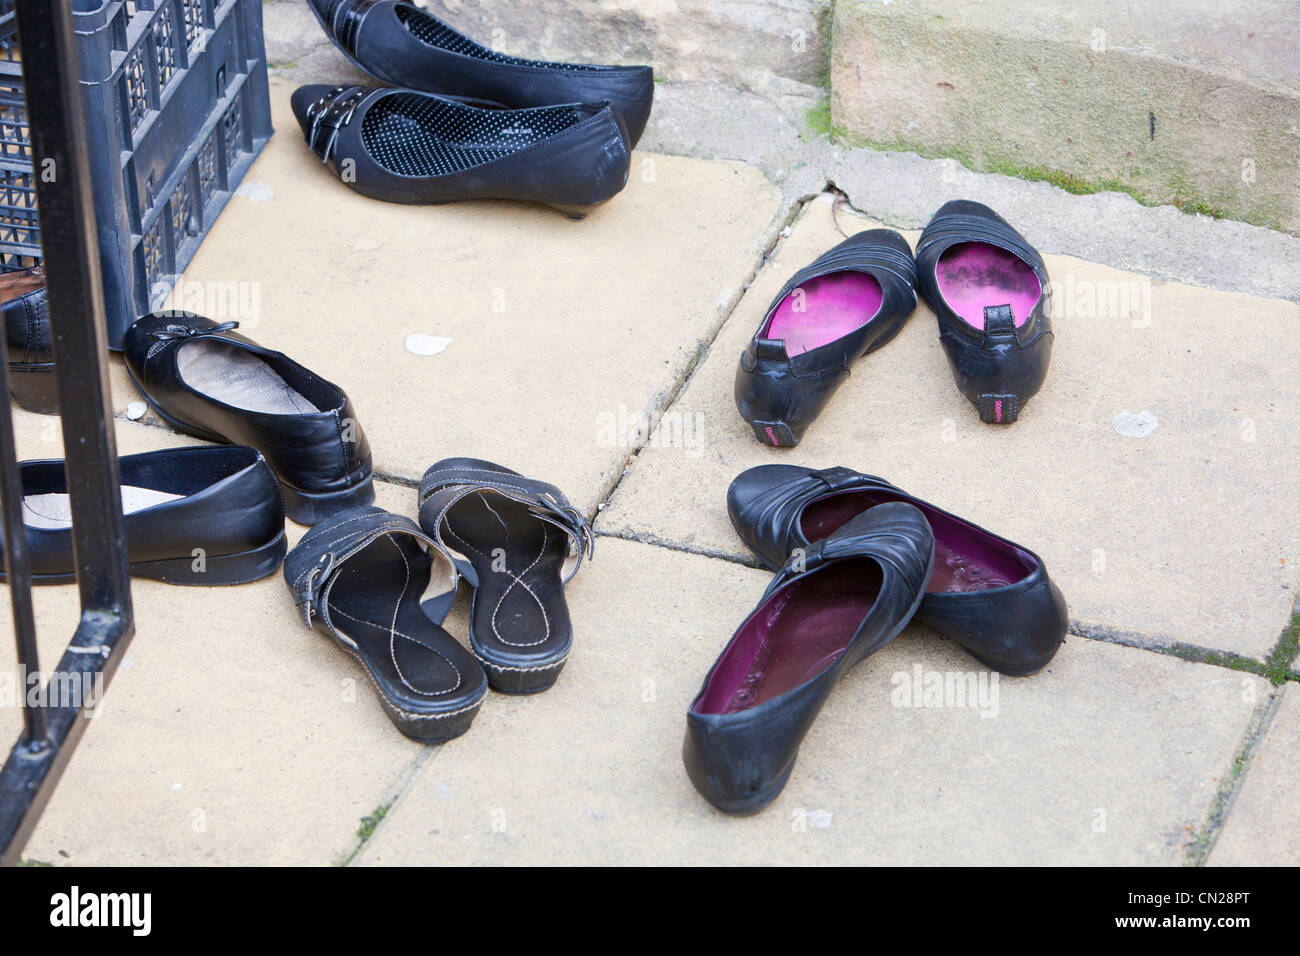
<point>401,45</point>
<point>408,147</point>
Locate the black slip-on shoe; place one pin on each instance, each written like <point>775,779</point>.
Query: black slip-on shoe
<point>848,302</point>
<point>28,347</point>
<point>361,576</point>
<point>407,147</point>
<point>990,595</point>
<point>518,541</point>
<point>989,289</point>
<point>209,381</point>
<point>401,45</point>
<point>843,598</point>
<point>201,515</point>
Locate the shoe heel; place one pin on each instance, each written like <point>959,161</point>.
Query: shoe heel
<point>35,388</point>
<point>306,507</point>
<point>998,409</point>
<point>211,571</point>
<point>521,682</point>
<point>577,211</point>
<point>775,434</point>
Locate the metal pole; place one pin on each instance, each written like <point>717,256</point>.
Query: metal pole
<point>76,302</point>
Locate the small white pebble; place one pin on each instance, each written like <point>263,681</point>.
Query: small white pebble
<point>177,786</point>
<point>135,411</point>
<point>419,343</point>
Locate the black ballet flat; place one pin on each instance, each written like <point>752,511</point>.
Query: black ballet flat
<point>403,46</point>
<point>989,289</point>
<point>201,516</point>
<point>990,595</point>
<point>401,146</point>
<point>850,301</point>
<point>518,541</point>
<point>836,602</point>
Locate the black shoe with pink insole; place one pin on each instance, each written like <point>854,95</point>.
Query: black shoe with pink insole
<point>848,302</point>
<point>831,606</point>
<point>990,595</point>
<point>989,289</point>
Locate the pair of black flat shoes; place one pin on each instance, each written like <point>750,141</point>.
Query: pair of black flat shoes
<point>987,286</point>
<point>856,559</point>
<point>381,586</point>
<point>456,120</point>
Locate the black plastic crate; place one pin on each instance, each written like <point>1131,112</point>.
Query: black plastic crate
<point>177,109</point>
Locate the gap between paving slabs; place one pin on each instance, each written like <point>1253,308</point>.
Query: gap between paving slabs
<point>1232,782</point>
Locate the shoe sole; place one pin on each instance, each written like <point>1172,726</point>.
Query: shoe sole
<point>212,571</point>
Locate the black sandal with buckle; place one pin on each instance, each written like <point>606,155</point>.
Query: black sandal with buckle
<point>380,587</point>
<point>518,541</point>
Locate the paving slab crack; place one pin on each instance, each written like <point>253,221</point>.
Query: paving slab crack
<point>777,230</point>
<point>371,823</point>
<point>1230,784</point>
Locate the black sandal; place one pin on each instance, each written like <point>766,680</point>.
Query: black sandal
<point>378,585</point>
<point>501,531</point>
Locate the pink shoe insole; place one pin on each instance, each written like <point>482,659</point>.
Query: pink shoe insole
<point>824,309</point>
<point>973,275</point>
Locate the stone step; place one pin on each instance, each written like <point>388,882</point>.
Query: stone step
<point>1195,104</point>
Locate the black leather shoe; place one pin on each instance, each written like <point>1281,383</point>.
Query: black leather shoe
<point>845,597</point>
<point>27,341</point>
<point>201,516</point>
<point>408,147</point>
<point>361,576</point>
<point>848,302</point>
<point>989,289</point>
<point>518,541</point>
<point>401,45</point>
<point>209,381</point>
<point>990,595</point>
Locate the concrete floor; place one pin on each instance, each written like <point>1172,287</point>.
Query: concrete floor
<point>233,735</point>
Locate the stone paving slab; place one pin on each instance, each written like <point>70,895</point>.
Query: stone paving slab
<point>1263,826</point>
<point>1186,534</point>
<point>554,324</point>
<point>1109,756</point>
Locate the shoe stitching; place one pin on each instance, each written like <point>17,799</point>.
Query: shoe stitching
<point>519,579</point>
<point>459,679</point>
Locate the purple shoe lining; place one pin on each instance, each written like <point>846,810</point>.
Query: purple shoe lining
<point>965,558</point>
<point>798,633</point>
